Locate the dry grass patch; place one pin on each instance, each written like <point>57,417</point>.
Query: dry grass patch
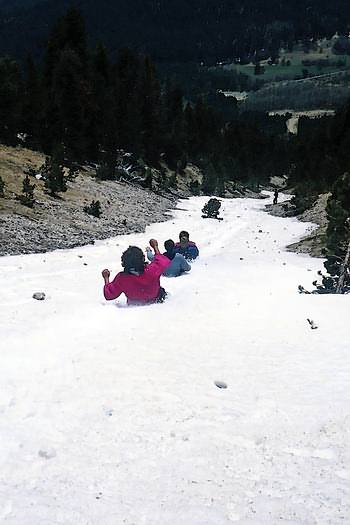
<point>13,163</point>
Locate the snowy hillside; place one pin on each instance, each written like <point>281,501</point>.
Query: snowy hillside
<point>110,414</point>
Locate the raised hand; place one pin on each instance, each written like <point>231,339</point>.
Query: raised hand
<point>106,273</point>
<point>153,243</point>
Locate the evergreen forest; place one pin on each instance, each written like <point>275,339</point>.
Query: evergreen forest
<point>83,104</point>
<point>181,31</point>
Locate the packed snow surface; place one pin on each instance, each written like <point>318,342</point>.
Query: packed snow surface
<point>220,406</point>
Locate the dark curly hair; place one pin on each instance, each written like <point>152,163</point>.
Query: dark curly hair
<point>169,245</point>
<point>184,233</point>
<point>133,260</point>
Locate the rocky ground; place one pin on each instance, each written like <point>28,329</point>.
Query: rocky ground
<point>61,222</point>
<point>58,225</point>
<point>314,242</point>
<point>55,223</point>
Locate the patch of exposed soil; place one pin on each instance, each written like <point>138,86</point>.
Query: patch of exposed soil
<point>62,222</point>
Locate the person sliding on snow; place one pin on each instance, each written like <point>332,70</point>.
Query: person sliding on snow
<point>139,281</point>
<point>186,247</point>
<point>275,196</point>
<point>178,265</point>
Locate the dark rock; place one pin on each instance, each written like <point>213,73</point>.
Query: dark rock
<point>39,296</point>
<point>220,384</point>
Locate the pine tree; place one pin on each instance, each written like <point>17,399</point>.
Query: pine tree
<point>2,187</point>
<point>70,101</point>
<point>100,116</point>
<point>127,102</point>
<point>10,100</point>
<point>107,167</point>
<point>344,274</point>
<point>210,179</point>
<point>337,279</point>
<point>53,173</point>
<point>32,111</point>
<point>207,130</point>
<point>72,173</point>
<point>338,241</point>
<point>220,186</point>
<point>106,172</point>
<point>190,131</point>
<point>148,180</point>
<point>30,171</point>
<point>195,187</point>
<point>94,209</point>
<point>68,33</point>
<point>211,209</point>
<point>149,95</point>
<point>338,212</point>
<point>100,65</point>
<point>66,83</point>
<point>27,197</point>
<point>175,127</point>
<point>55,180</point>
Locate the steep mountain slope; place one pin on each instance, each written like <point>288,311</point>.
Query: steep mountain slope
<point>182,30</point>
<point>113,415</point>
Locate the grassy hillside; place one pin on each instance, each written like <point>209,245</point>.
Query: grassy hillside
<point>13,162</point>
<point>62,222</point>
<point>291,64</point>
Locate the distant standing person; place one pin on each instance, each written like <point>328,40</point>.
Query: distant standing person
<point>139,281</point>
<point>178,264</point>
<point>275,196</point>
<point>186,247</point>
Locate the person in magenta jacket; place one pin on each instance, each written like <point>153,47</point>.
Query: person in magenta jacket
<point>139,281</point>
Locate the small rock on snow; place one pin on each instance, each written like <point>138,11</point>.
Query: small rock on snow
<point>220,384</point>
<point>39,296</point>
<point>312,324</point>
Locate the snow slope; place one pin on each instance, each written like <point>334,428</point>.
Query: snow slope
<point>110,414</point>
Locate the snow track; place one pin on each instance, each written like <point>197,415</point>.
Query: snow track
<point>110,414</point>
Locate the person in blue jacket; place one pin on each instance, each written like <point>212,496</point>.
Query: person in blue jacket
<point>178,265</point>
<point>186,247</point>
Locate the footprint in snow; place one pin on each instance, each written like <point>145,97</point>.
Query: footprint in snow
<point>326,453</point>
<point>47,454</point>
